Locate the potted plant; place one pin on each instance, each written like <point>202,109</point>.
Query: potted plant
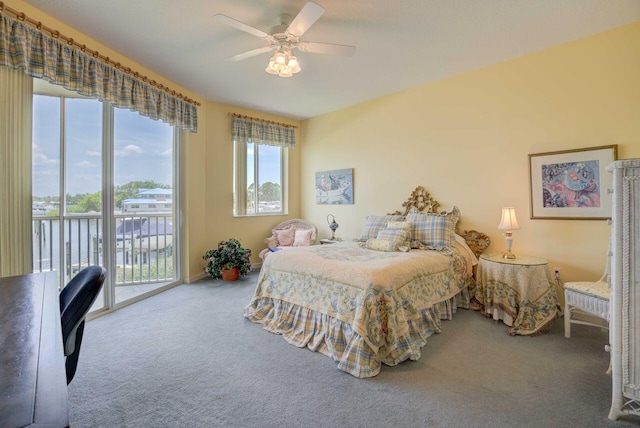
<point>229,261</point>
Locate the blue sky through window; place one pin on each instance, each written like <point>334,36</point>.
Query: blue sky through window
<point>143,147</point>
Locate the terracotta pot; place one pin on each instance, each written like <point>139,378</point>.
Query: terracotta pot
<point>230,274</point>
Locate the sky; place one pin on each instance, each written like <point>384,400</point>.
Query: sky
<point>143,147</point>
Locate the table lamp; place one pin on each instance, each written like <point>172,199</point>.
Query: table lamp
<point>332,225</point>
<point>509,223</point>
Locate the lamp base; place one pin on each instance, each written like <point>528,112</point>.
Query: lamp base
<point>508,236</point>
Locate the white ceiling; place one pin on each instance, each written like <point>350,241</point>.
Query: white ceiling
<point>400,43</point>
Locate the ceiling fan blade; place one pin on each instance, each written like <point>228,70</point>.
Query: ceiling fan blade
<point>224,19</point>
<point>249,54</point>
<point>305,19</point>
<point>327,48</point>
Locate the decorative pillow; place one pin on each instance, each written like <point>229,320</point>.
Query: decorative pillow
<point>302,238</point>
<point>383,244</point>
<point>394,224</point>
<point>285,236</point>
<point>401,225</point>
<point>434,231</point>
<point>374,224</point>
<point>400,235</point>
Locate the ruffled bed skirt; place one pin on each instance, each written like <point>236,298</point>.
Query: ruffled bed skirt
<point>303,327</point>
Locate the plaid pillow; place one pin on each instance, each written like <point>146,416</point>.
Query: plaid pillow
<point>400,235</point>
<point>434,231</point>
<point>399,225</point>
<point>374,224</point>
<point>403,225</point>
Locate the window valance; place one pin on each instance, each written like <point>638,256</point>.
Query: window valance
<point>270,134</point>
<point>60,62</point>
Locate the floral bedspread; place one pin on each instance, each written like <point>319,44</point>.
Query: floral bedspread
<point>359,306</point>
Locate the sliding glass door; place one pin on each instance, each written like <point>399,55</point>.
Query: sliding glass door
<point>103,181</point>
<point>143,203</point>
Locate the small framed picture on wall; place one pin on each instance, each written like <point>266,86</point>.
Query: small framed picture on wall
<point>334,187</point>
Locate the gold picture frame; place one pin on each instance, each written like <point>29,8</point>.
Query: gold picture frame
<point>571,184</point>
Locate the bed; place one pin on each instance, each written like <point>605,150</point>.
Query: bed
<point>364,307</point>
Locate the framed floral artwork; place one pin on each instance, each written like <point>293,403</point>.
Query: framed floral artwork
<point>571,184</point>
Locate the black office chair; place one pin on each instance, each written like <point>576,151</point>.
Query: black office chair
<point>75,300</point>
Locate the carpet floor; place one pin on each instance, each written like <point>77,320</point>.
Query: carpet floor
<point>188,358</point>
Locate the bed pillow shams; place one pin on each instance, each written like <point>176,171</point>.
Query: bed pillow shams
<point>374,224</point>
<point>434,231</point>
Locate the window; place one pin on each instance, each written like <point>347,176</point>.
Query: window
<point>259,179</point>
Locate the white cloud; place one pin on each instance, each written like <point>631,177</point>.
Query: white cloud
<point>129,150</point>
<point>167,152</point>
<point>85,164</point>
<point>94,153</point>
<point>39,158</point>
<point>46,172</point>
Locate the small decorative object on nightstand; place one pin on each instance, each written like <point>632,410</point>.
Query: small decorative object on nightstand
<point>333,226</point>
<point>509,223</point>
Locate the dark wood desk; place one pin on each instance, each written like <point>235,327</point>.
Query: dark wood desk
<point>33,382</point>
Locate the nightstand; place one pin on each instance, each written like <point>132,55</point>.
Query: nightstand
<point>521,292</point>
<point>329,241</point>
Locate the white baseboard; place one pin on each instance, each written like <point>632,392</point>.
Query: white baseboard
<point>195,278</point>
<point>256,266</point>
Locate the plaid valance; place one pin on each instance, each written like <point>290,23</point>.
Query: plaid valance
<point>252,131</point>
<point>41,55</point>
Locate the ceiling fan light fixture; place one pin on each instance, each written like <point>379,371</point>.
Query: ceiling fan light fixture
<point>281,57</point>
<point>293,64</point>
<point>283,63</point>
<point>271,69</point>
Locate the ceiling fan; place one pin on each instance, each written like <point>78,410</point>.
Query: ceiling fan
<point>284,38</point>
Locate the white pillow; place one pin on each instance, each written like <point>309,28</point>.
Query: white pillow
<point>303,237</point>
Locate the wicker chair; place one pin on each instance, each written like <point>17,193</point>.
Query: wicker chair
<point>298,224</point>
<point>587,302</point>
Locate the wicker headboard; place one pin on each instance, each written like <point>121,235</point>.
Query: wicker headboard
<point>421,201</point>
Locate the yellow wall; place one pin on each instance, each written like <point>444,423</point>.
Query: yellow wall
<point>466,139</point>
<point>218,184</point>
<point>206,163</point>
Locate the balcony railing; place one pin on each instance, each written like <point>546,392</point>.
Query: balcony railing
<point>142,245</point>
